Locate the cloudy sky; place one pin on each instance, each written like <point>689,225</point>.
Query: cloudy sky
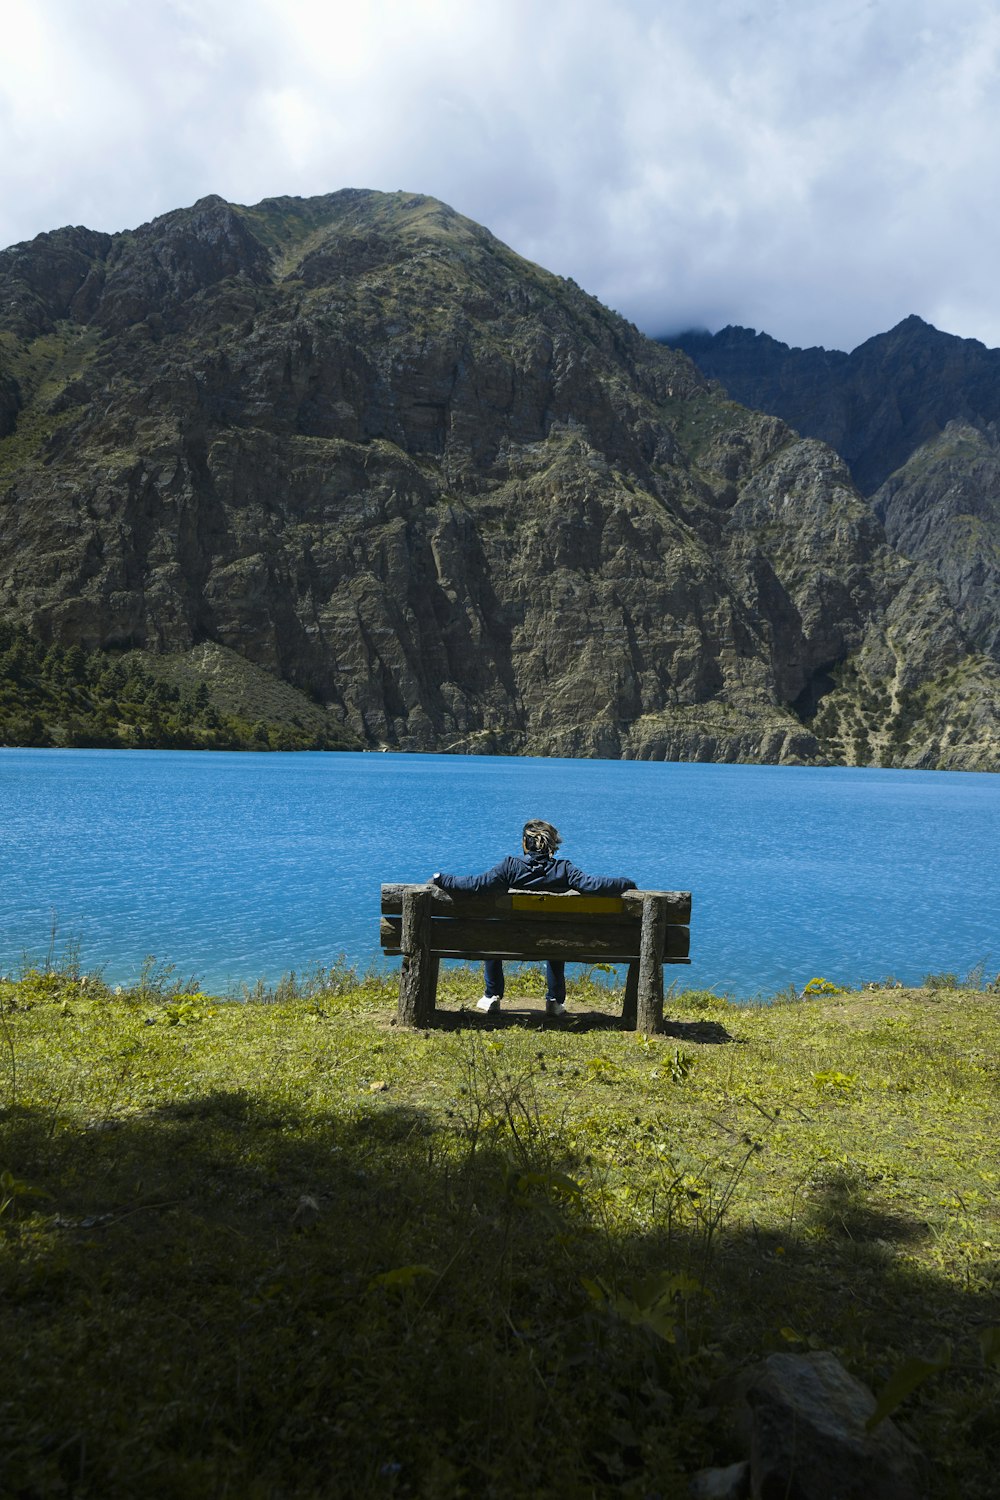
<point>817,169</point>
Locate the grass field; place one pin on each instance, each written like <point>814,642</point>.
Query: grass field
<point>285,1248</point>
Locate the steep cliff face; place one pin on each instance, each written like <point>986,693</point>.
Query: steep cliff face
<point>363,445</point>
<point>943,507</point>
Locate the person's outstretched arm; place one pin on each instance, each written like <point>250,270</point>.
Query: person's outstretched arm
<point>498,878</point>
<point>598,885</point>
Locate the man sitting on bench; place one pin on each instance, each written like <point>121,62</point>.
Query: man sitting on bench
<point>537,869</point>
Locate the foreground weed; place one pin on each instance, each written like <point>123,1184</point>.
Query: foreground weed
<point>8,1046</point>
<point>158,981</point>
<point>948,981</point>
<point>818,986</point>
<point>318,983</point>
<point>498,1106</point>
<point>17,1195</point>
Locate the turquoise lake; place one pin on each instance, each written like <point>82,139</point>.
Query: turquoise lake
<point>236,867</point>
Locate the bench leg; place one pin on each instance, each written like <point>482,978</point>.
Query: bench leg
<point>417,989</point>
<point>428,993</point>
<point>631,1000</point>
<point>649,1018</point>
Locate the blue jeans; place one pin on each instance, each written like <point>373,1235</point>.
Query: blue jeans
<point>555,979</point>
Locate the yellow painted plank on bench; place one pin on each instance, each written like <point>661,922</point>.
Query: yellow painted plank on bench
<point>677,904</point>
<point>575,903</point>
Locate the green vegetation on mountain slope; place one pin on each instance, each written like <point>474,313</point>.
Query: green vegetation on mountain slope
<point>66,697</point>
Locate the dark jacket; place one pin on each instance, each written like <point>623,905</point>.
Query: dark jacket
<point>536,872</point>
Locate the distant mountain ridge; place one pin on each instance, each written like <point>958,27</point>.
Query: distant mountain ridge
<point>876,405</point>
<point>915,413</point>
<point>450,501</point>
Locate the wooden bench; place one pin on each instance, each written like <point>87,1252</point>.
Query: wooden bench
<point>644,929</point>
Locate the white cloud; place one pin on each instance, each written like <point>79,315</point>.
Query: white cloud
<point>817,171</point>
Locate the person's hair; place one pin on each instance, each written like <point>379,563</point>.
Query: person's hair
<point>540,837</point>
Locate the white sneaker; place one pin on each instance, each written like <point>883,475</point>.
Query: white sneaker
<point>554,1008</point>
<point>489,1003</point>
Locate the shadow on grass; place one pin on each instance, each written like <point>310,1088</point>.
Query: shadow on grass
<point>840,1205</point>
<point>533,1017</point>
<point>236,1295</point>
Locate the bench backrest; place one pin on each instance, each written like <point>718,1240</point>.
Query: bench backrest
<point>540,924</point>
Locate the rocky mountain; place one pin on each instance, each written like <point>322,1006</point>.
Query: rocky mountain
<point>357,445</point>
<point>914,412</point>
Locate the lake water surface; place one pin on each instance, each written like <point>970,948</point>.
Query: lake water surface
<point>241,866</point>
